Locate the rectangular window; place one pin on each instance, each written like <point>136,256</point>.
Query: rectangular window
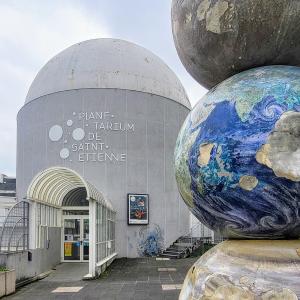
<point>46,216</point>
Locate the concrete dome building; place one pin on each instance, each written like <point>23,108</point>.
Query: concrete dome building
<point>106,64</point>
<point>96,136</point>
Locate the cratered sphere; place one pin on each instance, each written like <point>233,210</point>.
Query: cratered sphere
<point>216,39</point>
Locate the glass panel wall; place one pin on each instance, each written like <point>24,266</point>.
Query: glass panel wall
<point>105,232</point>
<point>46,216</point>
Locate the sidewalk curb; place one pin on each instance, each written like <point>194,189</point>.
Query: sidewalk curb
<point>33,279</point>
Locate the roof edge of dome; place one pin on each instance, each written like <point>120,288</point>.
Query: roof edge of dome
<point>186,105</point>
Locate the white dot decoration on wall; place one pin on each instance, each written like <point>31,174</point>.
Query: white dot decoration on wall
<point>55,133</point>
<point>78,134</point>
<point>64,153</point>
<point>69,122</point>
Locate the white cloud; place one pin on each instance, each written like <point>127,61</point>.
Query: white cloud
<point>30,34</point>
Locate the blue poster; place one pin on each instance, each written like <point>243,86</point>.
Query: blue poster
<point>138,209</point>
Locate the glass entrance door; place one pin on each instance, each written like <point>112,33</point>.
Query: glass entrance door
<point>75,238</point>
<point>85,238</point>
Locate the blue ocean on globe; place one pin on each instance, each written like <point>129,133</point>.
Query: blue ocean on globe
<point>237,157</point>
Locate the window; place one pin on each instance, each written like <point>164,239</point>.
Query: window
<point>105,232</point>
<point>46,216</point>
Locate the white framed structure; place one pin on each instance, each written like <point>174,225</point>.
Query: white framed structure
<point>55,187</point>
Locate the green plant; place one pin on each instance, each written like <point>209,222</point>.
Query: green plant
<point>3,269</point>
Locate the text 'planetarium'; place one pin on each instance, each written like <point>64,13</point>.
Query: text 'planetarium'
<point>95,147</point>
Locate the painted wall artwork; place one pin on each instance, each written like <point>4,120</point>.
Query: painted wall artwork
<point>138,209</point>
<point>150,241</point>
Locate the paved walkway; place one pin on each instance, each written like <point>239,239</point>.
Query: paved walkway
<point>68,272</point>
<point>134,279</point>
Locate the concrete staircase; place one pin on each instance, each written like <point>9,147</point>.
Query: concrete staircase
<point>184,247</point>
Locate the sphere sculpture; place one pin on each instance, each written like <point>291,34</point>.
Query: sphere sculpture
<point>216,39</point>
<point>248,270</point>
<point>237,155</point>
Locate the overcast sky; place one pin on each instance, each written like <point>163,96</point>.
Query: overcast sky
<point>31,32</point>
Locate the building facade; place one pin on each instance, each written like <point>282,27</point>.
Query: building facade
<point>7,196</point>
<point>101,118</point>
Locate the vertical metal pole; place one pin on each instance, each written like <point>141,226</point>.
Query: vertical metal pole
<point>24,223</point>
<point>93,239</point>
<point>106,226</point>
<point>32,224</point>
<point>27,228</point>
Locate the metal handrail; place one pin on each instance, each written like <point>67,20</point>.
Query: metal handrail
<point>13,229</point>
<point>22,236</point>
<point>189,235</point>
<point>23,206</point>
<point>190,232</point>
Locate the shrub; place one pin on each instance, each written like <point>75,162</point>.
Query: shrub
<point>3,269</point>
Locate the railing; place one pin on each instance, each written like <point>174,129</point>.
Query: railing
<point>192,236</point>
<point>15,229</point>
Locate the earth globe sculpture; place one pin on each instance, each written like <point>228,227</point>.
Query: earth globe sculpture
<point>237,157</point>
<point>216,39</point>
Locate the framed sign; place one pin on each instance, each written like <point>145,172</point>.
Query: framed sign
<point>68,249</point>
<point>138,209</point>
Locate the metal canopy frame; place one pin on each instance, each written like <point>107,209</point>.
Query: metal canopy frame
<point>14,231</point>
<point>51,186</point>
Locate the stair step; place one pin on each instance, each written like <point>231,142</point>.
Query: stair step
<point>170,255</point>
<point>172,252</point>
<point>178,246</point>
<point>184,244</point>
<point>175,249</point>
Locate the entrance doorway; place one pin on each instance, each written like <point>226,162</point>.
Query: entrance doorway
<point>60,197</point>
<point>75,238</point>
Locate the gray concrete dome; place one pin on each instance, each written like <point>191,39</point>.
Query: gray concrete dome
<point>107,63</point>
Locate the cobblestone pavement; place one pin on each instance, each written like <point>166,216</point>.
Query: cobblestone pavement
<point>136,279</point>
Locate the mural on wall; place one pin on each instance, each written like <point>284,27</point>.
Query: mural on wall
<point>138,209</point>
<point>150,241</point>
<point>237,155</point>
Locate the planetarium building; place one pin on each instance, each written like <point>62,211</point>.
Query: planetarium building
<point>96,137</point>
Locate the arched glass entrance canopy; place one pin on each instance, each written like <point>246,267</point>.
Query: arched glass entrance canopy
<point>52,185</point>
<point>55,187</point>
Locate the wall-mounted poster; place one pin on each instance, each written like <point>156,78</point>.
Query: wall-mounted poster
<point>68,249</point>
<point>138,209</point>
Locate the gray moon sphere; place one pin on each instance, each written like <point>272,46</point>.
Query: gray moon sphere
<point>216,39</point>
